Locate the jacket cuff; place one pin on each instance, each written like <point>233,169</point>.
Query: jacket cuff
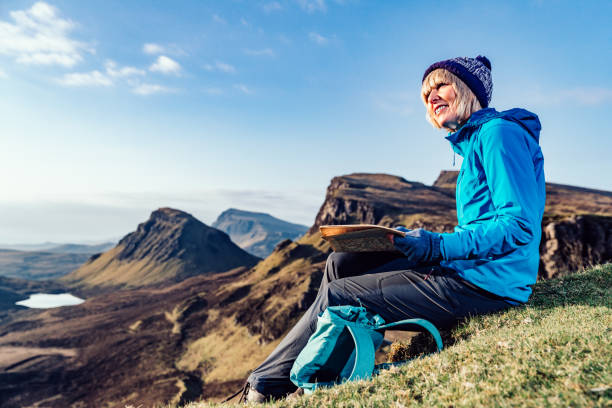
<point>449,245</point>
<point>436,253</point>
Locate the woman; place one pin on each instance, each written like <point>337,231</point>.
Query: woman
<point>491,260</point>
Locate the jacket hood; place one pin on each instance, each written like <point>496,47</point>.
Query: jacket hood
<point>527,120</point>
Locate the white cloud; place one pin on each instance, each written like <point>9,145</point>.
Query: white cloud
<point>93,78</point>
<point>97,78</point>
<point>220,66</point>
<point>165,65</point>
<point>114,72</point>
<point>267,52</point>
<point>39,36</point>
<point>3,74</point>
<point>272,6</point>
<point>150,89</point>
<point>218,19</point>
<point>318,38</point>
<point>312,6</point>
<point>244,89</point>
<point>153,49</point>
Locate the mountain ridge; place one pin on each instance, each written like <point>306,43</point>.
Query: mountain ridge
<point>256,232</point>
<point>170,246</point>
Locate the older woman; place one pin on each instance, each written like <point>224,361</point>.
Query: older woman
<point>487,264</point>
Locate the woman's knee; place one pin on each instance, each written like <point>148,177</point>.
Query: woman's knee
<point>334,265</point>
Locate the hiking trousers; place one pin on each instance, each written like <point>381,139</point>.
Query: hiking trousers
<point>387,284</point>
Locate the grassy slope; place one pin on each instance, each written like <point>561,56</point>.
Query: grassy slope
<point>556,351</point>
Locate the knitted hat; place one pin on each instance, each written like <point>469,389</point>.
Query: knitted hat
<point>475,72</point>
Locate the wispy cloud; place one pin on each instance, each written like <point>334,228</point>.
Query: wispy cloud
<point>272,6</point>
<point>318,38</point>
<point>221,67</point>
<point>93,78</point>
<point>165,65</point>
<point>311,6</point>
<point>3,74</point>
<point>244,22</point>
<point>244,89</point>
<point>263,52</point>
<point>150,89</point>
<point>97,78</point>
<point>218,19</point>
<point>39,36</point>
<point>157,49</point>
<point>153,49</point>
<point>114,71</point>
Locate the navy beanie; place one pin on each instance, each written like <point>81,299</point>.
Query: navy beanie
<point>475,72</point>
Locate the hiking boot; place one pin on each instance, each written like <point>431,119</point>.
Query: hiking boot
<point>295,394</point>
<point>252,395</point>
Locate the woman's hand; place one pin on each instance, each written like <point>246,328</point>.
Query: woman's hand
<point>399,228</point>
<point>419,245</point>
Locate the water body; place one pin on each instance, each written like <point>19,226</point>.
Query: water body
<point>46,301</point>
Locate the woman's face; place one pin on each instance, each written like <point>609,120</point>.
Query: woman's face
<point>441,106</point>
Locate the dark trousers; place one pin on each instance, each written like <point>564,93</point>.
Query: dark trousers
<point>386,284</point>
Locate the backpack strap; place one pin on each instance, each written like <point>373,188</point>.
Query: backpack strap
<point>427,325</point>
<point>364,354</point>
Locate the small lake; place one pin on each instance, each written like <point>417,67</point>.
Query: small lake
<point>46,301</point>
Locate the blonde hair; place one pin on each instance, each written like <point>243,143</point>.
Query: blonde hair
<point>465,102</point>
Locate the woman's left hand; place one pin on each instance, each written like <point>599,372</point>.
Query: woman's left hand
<point>419,245</point>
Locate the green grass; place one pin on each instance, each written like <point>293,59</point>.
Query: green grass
<point>554,352</point>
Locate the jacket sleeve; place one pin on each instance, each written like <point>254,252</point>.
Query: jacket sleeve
<point>509,170</point>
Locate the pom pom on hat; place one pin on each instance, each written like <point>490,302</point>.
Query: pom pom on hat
<point>484,60</point>
<point>475,72</point>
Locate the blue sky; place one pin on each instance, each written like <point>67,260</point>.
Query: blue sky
<point>112,109</point>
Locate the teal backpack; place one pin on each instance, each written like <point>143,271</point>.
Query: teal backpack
<point>343,345</point>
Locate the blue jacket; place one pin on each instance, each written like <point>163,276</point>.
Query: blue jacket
<point>500,202</point>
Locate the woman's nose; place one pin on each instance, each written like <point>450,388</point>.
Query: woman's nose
<point>432,95</point>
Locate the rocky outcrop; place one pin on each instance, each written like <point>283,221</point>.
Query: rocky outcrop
<point>575,243</point>
<point>169,247</point>
<point>257,233</point>
<point>385,200</point>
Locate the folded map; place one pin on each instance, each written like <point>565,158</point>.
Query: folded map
<point>359,237</point>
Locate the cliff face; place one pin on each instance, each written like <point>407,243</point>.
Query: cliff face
<point>386,200</point>
<point>257,233</point>
<point>169,247</point>
<point>575,243</point>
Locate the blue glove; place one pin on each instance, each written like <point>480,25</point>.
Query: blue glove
<point>402,228</point>
<point>419,245</point>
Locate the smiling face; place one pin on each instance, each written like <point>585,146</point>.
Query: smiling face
<point>448,100</point>
<point>442,107</point>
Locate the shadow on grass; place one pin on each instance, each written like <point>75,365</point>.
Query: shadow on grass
<point>592,287</point>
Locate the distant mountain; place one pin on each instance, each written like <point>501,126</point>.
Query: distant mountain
<point>72,248</point>
<point>169,247</point>
<point>30,247</point>
<point>82,248</point>
<point>257,233</point>
<point>37,265</point>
